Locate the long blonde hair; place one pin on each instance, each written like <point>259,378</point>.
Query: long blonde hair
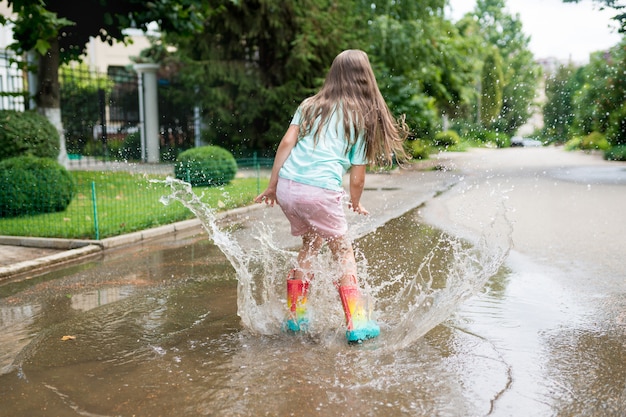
<point>350,87</point>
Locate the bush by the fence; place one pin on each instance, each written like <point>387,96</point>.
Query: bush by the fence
<point>131,147</point>
<point>27,133</point>
<point>206,165</point>
<point>31,185</point>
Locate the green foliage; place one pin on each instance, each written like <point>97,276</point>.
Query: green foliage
<point>38,22</point>
<point>573,144</point>
<point>521,73</point>
<point>27,133</point>
<point>602,91</point>
<point>492,137</point>
<point>492,83</point>
<point>616,153</point>
<point>420,60</point>
<point>589,99</point>
<point>616,132</point>
<point>558,111</point>
<point>447,139</point>
<point>417,148</point>
<point>255,61</point>
<point>131,147</point>
<point>30,185</point>
<point>593,141</point>
<point>206,165</point>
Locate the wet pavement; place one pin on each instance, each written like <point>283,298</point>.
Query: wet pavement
<point>156,330</point>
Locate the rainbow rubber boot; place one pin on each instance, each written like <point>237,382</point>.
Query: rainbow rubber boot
<point>360,327</point>
<point>296,303</point>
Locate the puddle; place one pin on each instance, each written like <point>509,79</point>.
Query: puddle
<point>185,327</point>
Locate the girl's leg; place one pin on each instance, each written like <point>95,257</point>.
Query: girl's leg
<point>311,245</point>
<point>298,282</point>
<point>355,306</point>
<point>343,253</point>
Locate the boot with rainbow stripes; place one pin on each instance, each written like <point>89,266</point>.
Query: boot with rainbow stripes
<point>297,319</point>
<point>355,306</point>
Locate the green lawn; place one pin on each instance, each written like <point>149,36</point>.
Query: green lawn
<point>124,203</point>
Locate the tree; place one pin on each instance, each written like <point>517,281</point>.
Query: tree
<point>492,83</point>
<point>421,62</point>
<point>255,60</point>
<point>57,31</point>
<point>521,73</point>
<point>558,111</point>
<point>602,92</point>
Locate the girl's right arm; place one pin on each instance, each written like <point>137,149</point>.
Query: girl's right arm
<point>282,153</point>
<point>357,183</point>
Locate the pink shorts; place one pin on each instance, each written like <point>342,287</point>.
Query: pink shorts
<point>312,209</point>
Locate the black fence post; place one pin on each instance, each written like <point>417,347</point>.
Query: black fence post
<point>103,122</point>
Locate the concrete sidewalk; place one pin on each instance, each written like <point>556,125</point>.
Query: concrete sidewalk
<point>386,196</point>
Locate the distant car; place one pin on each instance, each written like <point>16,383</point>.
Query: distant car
<point>520,141</point>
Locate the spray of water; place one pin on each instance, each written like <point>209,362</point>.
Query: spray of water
<point>406,304</point>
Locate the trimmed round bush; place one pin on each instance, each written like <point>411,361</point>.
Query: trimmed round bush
<point>206,165</point>
<point>447,139</point>
<point>27,133</point>
<point>32,185</point>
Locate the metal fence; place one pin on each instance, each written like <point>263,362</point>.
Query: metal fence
<point>13,91</point>
<point>100,115</point>
<point>127,198</point>
<point>100,111</point>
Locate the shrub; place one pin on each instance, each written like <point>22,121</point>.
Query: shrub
<point>131,148</point>
<point>486,136</point>
<point>206,165</point>
<point>417,148</point>
<point>573,143</point>
<point>616,153</point>
<point>447,139</point>
<point>594,140</point>
<point>616,133</point>
<point>27,133</point>
<point>31,185</point>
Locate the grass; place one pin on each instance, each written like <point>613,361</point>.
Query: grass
<point>124,203</point>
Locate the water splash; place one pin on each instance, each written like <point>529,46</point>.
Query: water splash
<point>408,304</point>
<point>256,302</point>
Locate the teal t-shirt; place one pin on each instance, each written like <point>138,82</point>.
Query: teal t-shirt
<point>323,164</point>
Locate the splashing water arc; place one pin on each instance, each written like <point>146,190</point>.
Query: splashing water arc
<point>408,304</point>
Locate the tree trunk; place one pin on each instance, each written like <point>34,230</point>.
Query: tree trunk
<point>48,98</point>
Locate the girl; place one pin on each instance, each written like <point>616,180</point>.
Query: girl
<point>342,128</point>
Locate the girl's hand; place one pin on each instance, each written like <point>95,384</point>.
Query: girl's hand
<point>358,208</point>
<point>268,197</point>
